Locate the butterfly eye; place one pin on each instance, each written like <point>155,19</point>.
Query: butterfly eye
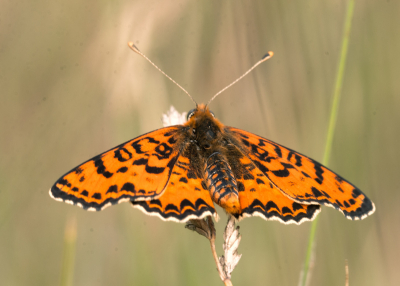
<point>212,113</point>
<point>191,113</point>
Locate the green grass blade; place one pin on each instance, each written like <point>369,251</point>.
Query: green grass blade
<point>332,124</point>
<point>67,271</point>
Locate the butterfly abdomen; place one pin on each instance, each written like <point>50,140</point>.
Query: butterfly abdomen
<point>221,183</point>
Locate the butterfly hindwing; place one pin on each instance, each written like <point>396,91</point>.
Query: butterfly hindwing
<point>139,169</point>
<point>258,196</point>
<point>301,178</point>
<point>185,197</point>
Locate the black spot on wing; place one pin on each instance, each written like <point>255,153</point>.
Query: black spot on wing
<point>141,161</point>
<point>261,167</point>
<point>97,196</point>
<point>256,204</point>
<point>260,182</point>
<point>246,143</point>
<point>151,140</point>
<point>287,165</point>
<point>339,203</point>
<point>326,194</point>
<point>122,170</point>
<point>112,189</point>
<point>171,207</point>
<point>186,203</point>
<point>200,203</point>
<point>281,173</point>
<point>122,154</point>
<point>156,202</point>
<point>64,182</point>
<point>318,172</point>
<point>154,169</point>
<point>278,151</point>
<point>296,206</point>
<point>356,192</point>
<point>271,205</point>
<point>316,192</point>
<point>107,174</point>
<point>240,186</point>
<point>286,210</point>
<point>138,147</point>
<point>297,157</point>
<point>285,171</point>
<point>261,154</point>
<point>129,187</point>
<point>101,169</point>
<point>172,140</point>
<point>163,151</point>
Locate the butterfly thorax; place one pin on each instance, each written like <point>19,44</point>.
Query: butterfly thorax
<point>208,148</point>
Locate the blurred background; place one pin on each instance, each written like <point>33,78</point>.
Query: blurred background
<point>71,88</point>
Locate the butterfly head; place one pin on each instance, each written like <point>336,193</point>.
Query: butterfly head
<point>203,127</point>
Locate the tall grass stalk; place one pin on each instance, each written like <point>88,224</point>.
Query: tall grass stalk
<point>67,271</point>
<point>332,124</point>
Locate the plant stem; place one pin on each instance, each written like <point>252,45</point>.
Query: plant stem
<point>67,271</point>
<point>221,272</point>
<point>332,122</point>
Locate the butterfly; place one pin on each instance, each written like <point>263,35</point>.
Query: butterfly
<point>180,172</point>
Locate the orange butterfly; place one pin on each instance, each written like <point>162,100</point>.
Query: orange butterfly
<point>179,172</point>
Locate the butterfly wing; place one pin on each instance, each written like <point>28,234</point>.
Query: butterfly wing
<point>185,197</point>
<point>301,178</point>
<point>259,197</point>
<point>139,169</point>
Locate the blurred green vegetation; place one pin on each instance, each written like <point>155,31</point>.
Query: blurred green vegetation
<point>71,88</point>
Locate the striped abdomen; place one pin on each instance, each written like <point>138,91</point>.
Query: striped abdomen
<point>221,183</point>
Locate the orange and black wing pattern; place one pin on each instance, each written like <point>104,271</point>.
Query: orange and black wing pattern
<point>185,197</point>
<point>139,169</point>
<point>300,178</point>
<point>259,197</point>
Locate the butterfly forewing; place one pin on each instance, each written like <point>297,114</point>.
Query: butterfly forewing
<point>301,178</point>
<point>136,170</point>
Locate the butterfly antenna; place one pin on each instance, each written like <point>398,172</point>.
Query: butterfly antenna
<point>136,50</point>
<point>264,58</point>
